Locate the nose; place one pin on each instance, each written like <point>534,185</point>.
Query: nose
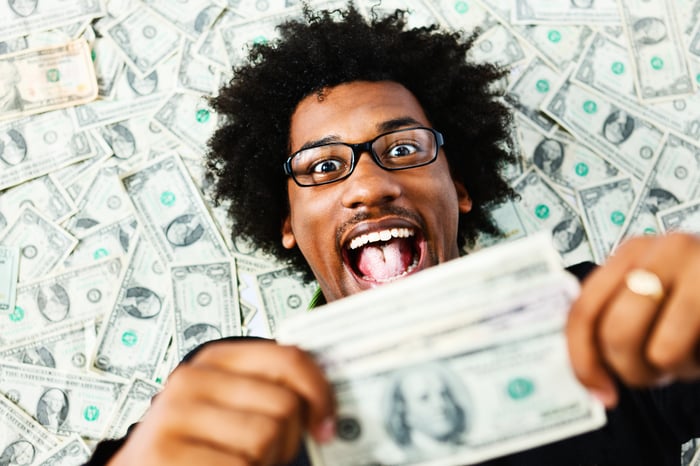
<point>369,184</point>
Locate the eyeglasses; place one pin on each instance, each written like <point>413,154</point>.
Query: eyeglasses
<point>335,161</point>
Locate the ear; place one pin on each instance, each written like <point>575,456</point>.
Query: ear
<point>464,201</point>
<point>288,239</point>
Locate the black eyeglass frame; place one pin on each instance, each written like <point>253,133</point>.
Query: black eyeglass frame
<point>362,147</point>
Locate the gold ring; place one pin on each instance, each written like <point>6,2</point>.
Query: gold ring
<point>645,283</point>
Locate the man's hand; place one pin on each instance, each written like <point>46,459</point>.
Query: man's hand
<point>641,339</point>
<point>234,403</point>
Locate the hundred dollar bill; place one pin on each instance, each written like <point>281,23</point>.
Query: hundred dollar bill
<point>43,193</point>
<point>172,213</point>
<point>22,437</point>
<point>113,239</point>
<point>660,66</point>
<point>205,303</point>
<point>506,267</point>
<point>73,451</point>
<point>625,140</point>
<point>43,245</point>
<point>674,178</point>
<point>103,201</point>
<point>47,79</point>
<point>563,159</point>
<point>77,294</point>
<point>9,272</point>
<point>36,145</point>
<point>134,403</point>
<point>64,402</point>
<point>604,208</point>
<point>188,118</point>
<point>64,346</point>
<point>605,69</point>
<point>530,89</point>
<point>685,217</point>
<point>145,39</point>
<point>537,11</point>
<point>510,345</point>
<point>21,18</point>
<point>545,207</point>
<point>283,293</point>
<point>193,18</point>
<point>137,328</point>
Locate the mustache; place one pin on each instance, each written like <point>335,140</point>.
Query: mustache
<point>385,211</point>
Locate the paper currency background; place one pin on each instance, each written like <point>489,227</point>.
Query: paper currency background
<point>125,263</point>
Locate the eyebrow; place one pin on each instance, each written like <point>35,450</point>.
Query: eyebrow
<point>383,127</point>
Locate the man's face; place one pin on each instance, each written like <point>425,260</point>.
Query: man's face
<point>417,208</point>
<point>429,406</point>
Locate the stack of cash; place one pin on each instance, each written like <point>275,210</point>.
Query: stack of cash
<point>114,260</point>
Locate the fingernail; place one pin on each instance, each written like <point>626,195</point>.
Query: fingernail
<point>325,431</point>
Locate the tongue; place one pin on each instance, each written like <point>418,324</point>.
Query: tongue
<point>382,261</point>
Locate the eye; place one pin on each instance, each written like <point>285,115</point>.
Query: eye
<point>402,149</point>
<point>326,166</point>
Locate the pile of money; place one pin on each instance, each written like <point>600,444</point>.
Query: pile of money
<point>458,364</point>
<point>115,261</point>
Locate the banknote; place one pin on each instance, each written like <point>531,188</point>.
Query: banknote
<point>558,45</point>
<point>512,345</point>
<point>130,138</point>
<point>36,145</point>
<point>76,294</point>
<point>65,346</point>
<point>102,202</point>
<point>145,39</point>
<point>674,178</point>
<point>605,68</point>
<point>138,325</point>
<point>545,207</point>
<point>211,48</point>
<point>64,402</point>
<point>420,13</point>
<point>498,46</point>
<point>189,118</point>
<point>283,293</point>
<point>684,217</point>
<point>172,213</point>
<point>43,193</point>
<point>205,303</point>
<point>192,18</point>
<point>48,79</point>
<point>22,437</point>
<point>196,75</point>
<point>625,140</point>
<point>512,223</point>
<point>470,16</point>
<point>660,66</point>
<point>43,245</point>
<point>113,239</point>
<point>604,209</point>
<point>131,407</point>
<point>694,42</point>
<point>73,451</point>
<point>576,11</point>
<point>527,93</point>
<point>22,18</point>
<point>563,159</point>
<point>9,273</point>
<point>109,64</point>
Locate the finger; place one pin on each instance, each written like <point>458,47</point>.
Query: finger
<point>285,365</point>
<point>673,344</point>
<point>253,436</point>
<point>240,393</point>
<point>583,320</point>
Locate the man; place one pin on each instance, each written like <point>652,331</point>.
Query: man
<point>392,147</point>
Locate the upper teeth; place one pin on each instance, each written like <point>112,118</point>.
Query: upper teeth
<point>383,235</point>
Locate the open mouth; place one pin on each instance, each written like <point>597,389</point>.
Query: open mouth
<point>384,255</point>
